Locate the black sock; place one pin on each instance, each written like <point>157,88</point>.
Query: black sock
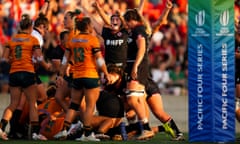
<point>3,124</point>
<point>35,127</point>
<point>132,127</point>
<point>146,126</point>
<point>112,131</point>
<point>87,130</point>
<point>66,125</point>
<point>139,127</point>
<point>174,126</point>
<point>161,128</point>
<point>14,122</point>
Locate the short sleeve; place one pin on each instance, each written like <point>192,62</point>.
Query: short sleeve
<point>95,42</point>
<point>68,45</point>
<point>35,43</point>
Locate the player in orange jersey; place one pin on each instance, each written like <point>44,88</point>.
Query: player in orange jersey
<point>19,50</point>
<point>63,90</point>
<point>86,53</point>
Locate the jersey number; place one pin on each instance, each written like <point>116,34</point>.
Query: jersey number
<point>78,54</point>
<point>18,52</point>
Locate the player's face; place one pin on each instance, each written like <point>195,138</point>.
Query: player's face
<point>116,23</point>
<point>130,24</point>
<point>43,29</point>
<point>68,22</point>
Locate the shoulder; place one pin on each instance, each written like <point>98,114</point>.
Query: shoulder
<point>37,35</point>
<point>105,31</point>
<point>106,28</point>
<point>92,37</point>
<point>140,28</point>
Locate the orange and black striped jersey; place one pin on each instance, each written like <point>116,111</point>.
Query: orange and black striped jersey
<point>21,48</point>
<point>81,48</point>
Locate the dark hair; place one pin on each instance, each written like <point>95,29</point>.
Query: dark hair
<point>115,69</point>
<point>82,23</point>
<point>132,14</point>
<point>25,22</point>
<point>74,13</point>
<point>51,89</point>
<point>116,14</point>
<point>63,33</point>
<point>41,20</point>
<point>120,83</point>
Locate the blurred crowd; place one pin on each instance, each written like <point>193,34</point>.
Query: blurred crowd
<point>168,46</point>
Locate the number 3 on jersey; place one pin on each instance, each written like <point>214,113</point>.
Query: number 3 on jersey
<point>78,54</point>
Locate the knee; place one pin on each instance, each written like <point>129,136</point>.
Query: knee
<point>12,106</point>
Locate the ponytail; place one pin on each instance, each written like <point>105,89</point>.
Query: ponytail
<point>25,22</point>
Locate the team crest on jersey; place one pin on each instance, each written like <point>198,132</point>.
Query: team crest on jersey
<point>119,34</point>
<point>130,40</point>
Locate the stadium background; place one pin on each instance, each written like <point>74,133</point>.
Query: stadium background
<point>175,32</point>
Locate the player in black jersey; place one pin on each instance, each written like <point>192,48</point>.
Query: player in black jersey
<point>56,54</point>
<point>116,39</point>
<point>137,66</point>
<point>114,34</point>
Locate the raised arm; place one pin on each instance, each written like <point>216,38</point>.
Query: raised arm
<point>97,25</point>
<point>103,15</point>
<point>141,6</point>
<point>163,18</point>
<point>44,8</point>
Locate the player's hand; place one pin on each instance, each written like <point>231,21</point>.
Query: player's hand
<point>59,81</point>
<point>110,79</point>
<point>49,67</point>
<point>169,4</point>
<point>134,73</point>
<point>96,5</point>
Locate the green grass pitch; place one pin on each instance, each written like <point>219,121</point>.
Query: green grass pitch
<point>160,138</point>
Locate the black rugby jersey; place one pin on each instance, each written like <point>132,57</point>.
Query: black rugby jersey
<point>132,44</point>
<point>56,53</point>
<point>115,46</point>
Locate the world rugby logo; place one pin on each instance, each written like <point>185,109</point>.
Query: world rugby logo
<point>224,18</point>
<point>200,18</point>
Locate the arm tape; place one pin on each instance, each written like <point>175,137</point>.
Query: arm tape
<point>40,58</point>
<point>64,60</point>
<point>136,93</point>
<point>100,62</point>
<point>95,50</point>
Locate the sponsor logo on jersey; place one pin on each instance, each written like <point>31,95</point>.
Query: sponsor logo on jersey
<point>20,39</point>
<point>114,42</point>
<point>75,40</point>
